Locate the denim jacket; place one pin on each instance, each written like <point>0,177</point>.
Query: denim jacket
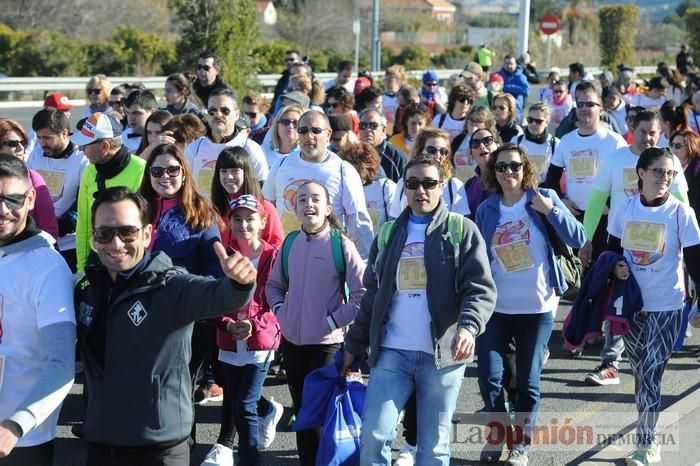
<point>569,229</point>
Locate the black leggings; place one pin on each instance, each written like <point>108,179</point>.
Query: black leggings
<point>38,455</point>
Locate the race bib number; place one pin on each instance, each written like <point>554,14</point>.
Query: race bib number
<point>204,180</point>
<point>54,181</point>
<point>514,256</point>
<point>375,215</point>
<point>290,222</point>
<point>644,236</point>
<point>582,165</point>
<point>539,162</point>
<point>412,274</point>
<point>629,180</point>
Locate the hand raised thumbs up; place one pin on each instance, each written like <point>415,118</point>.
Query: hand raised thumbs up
<point>237,267</point>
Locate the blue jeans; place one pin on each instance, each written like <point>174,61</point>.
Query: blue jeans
<point>531,333</point>
<point>242,389</point>
<point>394,377</point>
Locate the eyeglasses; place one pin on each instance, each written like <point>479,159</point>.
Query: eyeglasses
<point>502,167</point>
<point>333,104</point>
<point>531,120</point>
<point>251,115</point>
<point>432,150</point>
<point>94,91</point>
<point>204,67</point>
<point>660,173</point>
<point>15,143</point>
<point>289,122</point>
<point>476,143</point>
<point>427,184</point>
<point>677,145</point>
<point>314,129</point>
<point>502,108</point>
<point>172,171</point>
<point>463,99</point>
<point>116,103</point>
<point>14,201</point>
<point>587,104</point>
<point>225,111</point>
<point>105,235</point>
<point>373,125</point>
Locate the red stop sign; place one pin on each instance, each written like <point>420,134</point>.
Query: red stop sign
<point>549,24</point>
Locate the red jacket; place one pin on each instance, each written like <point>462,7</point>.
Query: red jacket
<point>266,330</point>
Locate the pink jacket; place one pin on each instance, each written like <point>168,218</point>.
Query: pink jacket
<point>43,213</point>
<point>312,310</point>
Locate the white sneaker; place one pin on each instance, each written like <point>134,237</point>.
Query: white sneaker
<point>219,455</point>
<point>267,424</point>
<point>407,456</point>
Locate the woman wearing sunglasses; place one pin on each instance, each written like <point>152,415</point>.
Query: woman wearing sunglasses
<point>685,144</point>
<point>515,225</point>
<point>482,144</point>
<point>282,138</point>
<point>458,104</point>
<point>97,89</point>
<point>13,141</point>
<point>478,118</point>
<point>504,110</point>
<point>657,234</point>
<point>341,102</point>
<point>434,142</point>
<point>536,139</point>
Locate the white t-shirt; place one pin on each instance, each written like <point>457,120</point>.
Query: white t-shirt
<point>617,175</point>
<point>272,156</point>
<point>519,260</point>
<point>560,111</point>
<point>344,188</point>
<point>389,105</point>
<point>36,290</point>
<point>130,140</point>
<point>580,156</point>
<point>642,100</point>
<point>203,152</point>
<point>653,239</point>
<point>449,124</point>
<point>378,195</point>
<point>458,202</point>
<point>62,177</point>
<point>349,86</point>
<point>408,323</point>
<point>242,356</point>
<point>539,154</point>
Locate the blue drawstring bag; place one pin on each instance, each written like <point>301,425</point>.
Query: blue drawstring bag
<point>340,438</point>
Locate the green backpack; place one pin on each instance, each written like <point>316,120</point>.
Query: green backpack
<point>338,257</point>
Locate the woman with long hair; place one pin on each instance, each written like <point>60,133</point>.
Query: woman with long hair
<point>504,111</point>
<point>234,176</point>
<point>154,133</point>
<point>282,138</point>
<point>415,117</point>
<point>479,117</point>
<point>685,144</point>
<point>341,102</point>
<point>180,97</point>
<point>529,281</point>
<point>184,129</point>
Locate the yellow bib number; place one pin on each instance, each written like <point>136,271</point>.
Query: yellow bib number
<point>582,166</point>
<point>412,274</point>
<point>54,181</point>
<point>539,161</point>
<point>514,256</point>
<point>204,180</point>
<point>644,236</point>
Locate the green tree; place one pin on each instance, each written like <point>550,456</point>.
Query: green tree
<point>47,53</point>
<point>684,6</point>
<point>141,53</point>
<point>579,21</point>
<point>453,58</point>
<point>618,34</point>
<point>692,20</point>
<point>414,57</point>
<point>269,57</point>
<point>539,8</point>
<point>227,27</point>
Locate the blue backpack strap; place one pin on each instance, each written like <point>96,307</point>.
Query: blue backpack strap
<point>286,248</point>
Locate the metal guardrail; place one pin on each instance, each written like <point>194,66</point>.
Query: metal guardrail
<point>268,81</point>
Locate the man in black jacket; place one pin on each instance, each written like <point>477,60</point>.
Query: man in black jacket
<point>373,131</point>
<point>135,312</point>
<point>291,57</point>
<point>208,76</point>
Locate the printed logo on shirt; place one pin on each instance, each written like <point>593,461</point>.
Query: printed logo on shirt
<point>289,218</point>
<point>137,313</point>
<point>205,177</point>
<point>510,242</point>
<point>86,314</point>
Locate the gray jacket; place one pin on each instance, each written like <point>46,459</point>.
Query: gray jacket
<point>467,299</point>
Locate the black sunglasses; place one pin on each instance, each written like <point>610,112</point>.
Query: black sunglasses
<point>314,129</point>
<point>432,150</point>
<point>501,167</point>
<point>373,125</point>
<point>289,122</point>
<point>172,171</point>
<point>463,99</point>
<point>486,141</point>
<point>427,184</point>
<point>204,67</point>
<point>114,103</point>
<point>225,111</point>
<point>539,121</point>
<point>15,144</point>
<point>14,201</point>
<point>126,233</point>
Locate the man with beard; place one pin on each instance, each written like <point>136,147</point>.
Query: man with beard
<point>61,164</point>
<point>222,114</point>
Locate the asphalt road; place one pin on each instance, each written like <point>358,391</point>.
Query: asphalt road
<point>564,397</point>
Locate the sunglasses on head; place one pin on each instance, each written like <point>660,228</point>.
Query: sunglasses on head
<point>587,104</point>
<point>126,233</point>
<point>14,201</point>
<point>15,143</point>
<point>432,150</point>
<point>428,184</point>
<point>289,122</point>
<point>225,111</point>
<point>539,121</point>
<point>94,91</point>
<point>485,141</point>
<point>373,125</point>
<point>314,129</point>
<point>502,167</point>
<point>204,67</point>
<point>172,171</point>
